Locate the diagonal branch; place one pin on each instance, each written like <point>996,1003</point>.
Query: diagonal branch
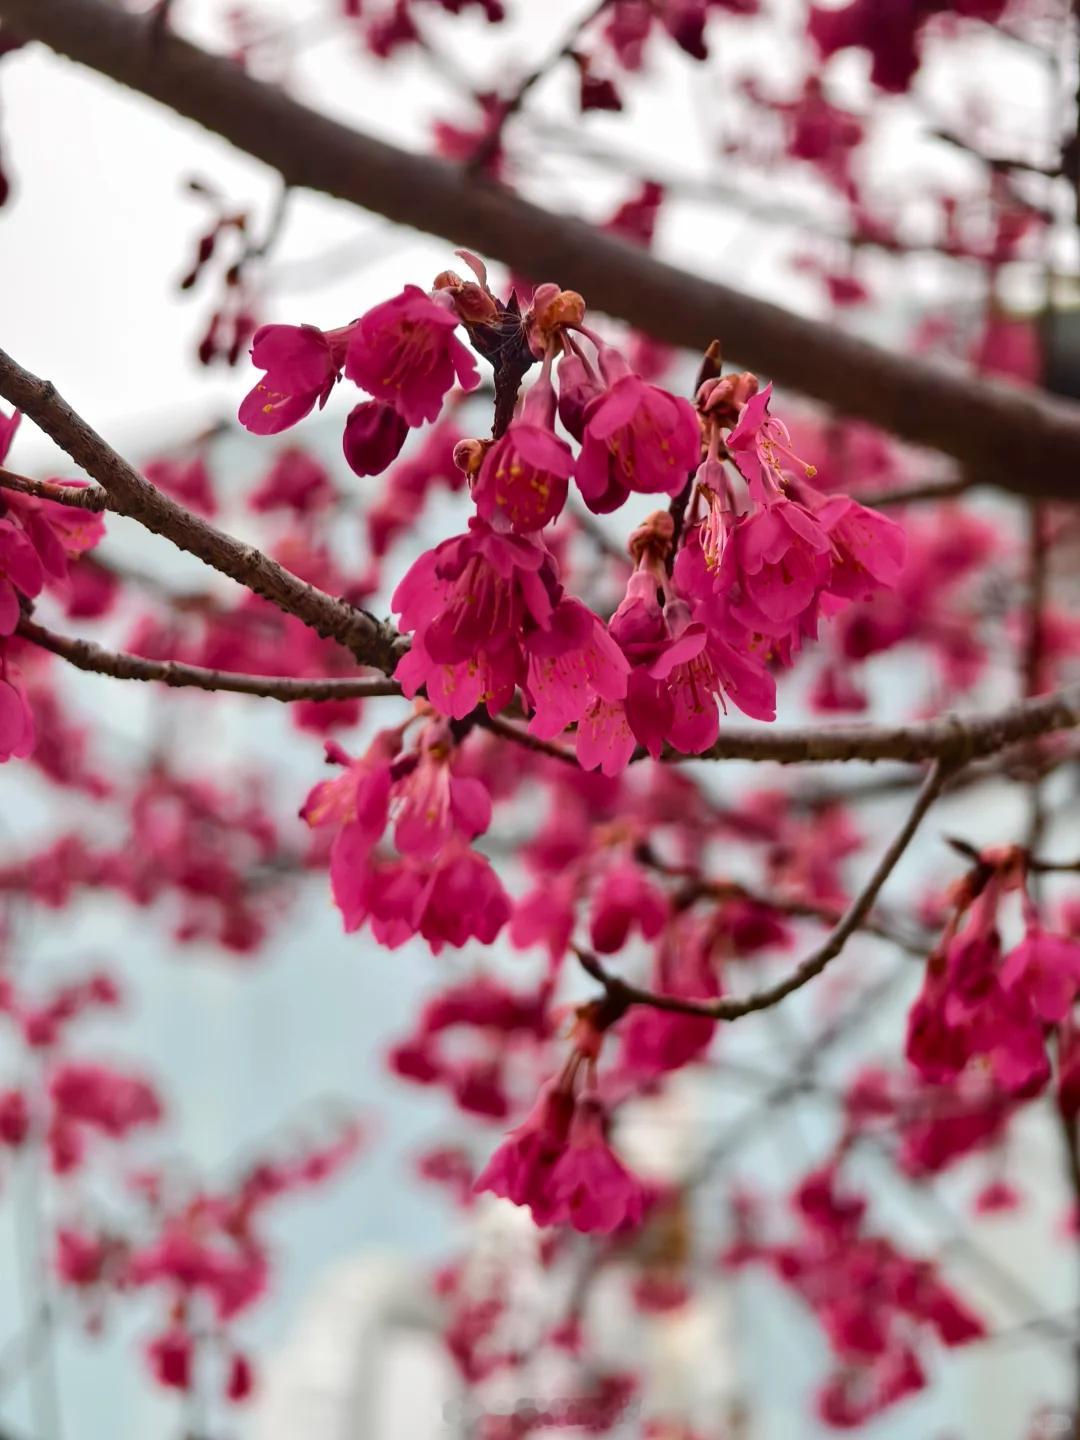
<point>128,493</point>
<point>85,655</point>
<point>1023,441</point>
<point>817,961</point>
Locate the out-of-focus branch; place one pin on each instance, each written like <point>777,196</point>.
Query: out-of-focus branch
<point>85,655</point>
<point>1023,441</point>
<point>129,493</point>
<point>513,102</point>
<point>728,1008</point>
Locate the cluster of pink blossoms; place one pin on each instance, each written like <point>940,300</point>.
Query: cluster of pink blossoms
<point>983,1005</point>
<point>193,1247</point>
<point>435,885</point>
<point>874,1302</point>
<point>713,606</point>
<point>37,538</point>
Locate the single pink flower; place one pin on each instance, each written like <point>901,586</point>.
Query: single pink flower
<point>625,899</point>
<point>170,1357</point>
<point>488,678</point>
<point>465,901</point>
<point>776,563</point>
<point>302,365</point>
<point>374,435</point>
<point>868,549</point>
<point>361,795</point>
<point>604,739</point>
<point>1044,969</point>
<point>405,353</point>
<point>589,1187</point>
<point>638,438</point>
<point>570,664</point>
<point>524,476</point>
<point>21,573</point>
<point>760,445</point>
<point>476,592</point>
<point>578,387</point>
<point>434,806</point>
<point>521,1168</point>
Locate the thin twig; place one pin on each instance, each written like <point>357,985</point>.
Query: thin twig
<point>79,497</point>
<point>815,963</point>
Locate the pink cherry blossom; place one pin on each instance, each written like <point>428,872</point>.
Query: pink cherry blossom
<point>433,805</point>
<point>405,353</point>
<point>637,438</point>
<point>571,663</point>
<point>589,1187</point>
<point>524,476</point>
<point>760,445</point>
<point>625,899</point>
<point>302,365</point>
<point>521,1168</point>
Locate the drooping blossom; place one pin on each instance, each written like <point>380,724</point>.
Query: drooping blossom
<point>570,664</point>
<point>681,670</point>
<point>521,1169</point>
<point>469,603</point>
<point>436,885</point>
<point>979,1004</point>
<point>405,353</point>
<point>637,438</point>
<point>589,1187</point>
<point>524,476</point>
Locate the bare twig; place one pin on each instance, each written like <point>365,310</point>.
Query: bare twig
<point>814,964</point>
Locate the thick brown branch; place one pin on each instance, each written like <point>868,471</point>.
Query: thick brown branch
<point>85,655</point>
<point>953,738</point>
<point>1025,442</point>
<point>128,493</point>
<point>809,969</point>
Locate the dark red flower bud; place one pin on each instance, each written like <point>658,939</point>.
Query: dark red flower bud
<point>374,435</point>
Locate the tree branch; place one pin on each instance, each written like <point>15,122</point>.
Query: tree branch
<point>128,493</point>
<point>85,655</point>
<point>817,961</point>
<point>79,497</point>
<point>1023,441</point>
<point>953,738</point>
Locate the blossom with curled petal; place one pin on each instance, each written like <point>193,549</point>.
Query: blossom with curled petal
<point>302,365</point>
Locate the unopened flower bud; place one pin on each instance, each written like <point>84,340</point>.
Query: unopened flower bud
<point>725,397</point>
<point>469,455</point>
<point>474,304</point>
<point>552,309</point>
<point>652,538</point>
